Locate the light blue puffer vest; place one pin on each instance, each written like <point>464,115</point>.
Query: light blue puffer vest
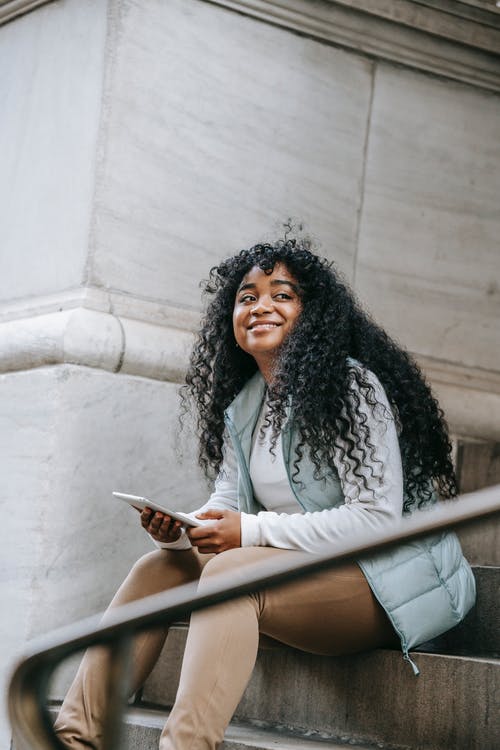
<point>425,586</point>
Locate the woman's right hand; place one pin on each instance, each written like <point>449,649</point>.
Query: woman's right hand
<point>161,527</point>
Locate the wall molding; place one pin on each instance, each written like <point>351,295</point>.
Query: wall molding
<point>121,339</point>
<point>457,41</point>
<point>11,9</point>
<point>102,299</point>
<point>459,376</point>
<point>100,328</point>
<point>101,340</point>
<point>110,330</point>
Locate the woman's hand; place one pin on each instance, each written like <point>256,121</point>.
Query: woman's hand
<point>161,527</point>
<point>223,534</point>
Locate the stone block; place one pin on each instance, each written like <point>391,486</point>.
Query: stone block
<point>218,129</point>
<point>428,247</point>
<point>69,436</point>
<point>52,64</point>
<point>370,697</point>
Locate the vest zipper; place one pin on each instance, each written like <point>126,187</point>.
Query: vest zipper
<point>406,657</point>
<point>404,648</point>
<point>242,466</point>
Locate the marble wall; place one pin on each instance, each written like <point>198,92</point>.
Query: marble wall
<point>391,170</point>
<point>183,131</point>
<point>69,436</point>
<point>428,258</point>
<point>217,128</point>
<point>51,64</point>
<point>72,435</point>
<point>145,142</point>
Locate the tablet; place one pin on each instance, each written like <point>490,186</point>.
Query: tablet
<point>142,502</point>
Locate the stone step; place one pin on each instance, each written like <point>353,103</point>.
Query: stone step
<point>479,633</point>
<point>370,697</point>
<point>143,728</point>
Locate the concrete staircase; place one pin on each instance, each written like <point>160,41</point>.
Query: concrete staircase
<point>297,700</point>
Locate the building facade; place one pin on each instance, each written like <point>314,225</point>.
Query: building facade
<point>142,141</point>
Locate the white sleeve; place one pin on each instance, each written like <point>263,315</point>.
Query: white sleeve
<point>375,507</point>
<point>224,496</point>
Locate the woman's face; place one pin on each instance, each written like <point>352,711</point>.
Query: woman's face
<point>266,308</point>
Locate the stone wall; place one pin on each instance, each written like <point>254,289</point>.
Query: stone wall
<point>145,142</point>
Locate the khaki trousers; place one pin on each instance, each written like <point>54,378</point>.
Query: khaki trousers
<point>331,613</point>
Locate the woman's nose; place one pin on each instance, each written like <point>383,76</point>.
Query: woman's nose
<point>262,305</point>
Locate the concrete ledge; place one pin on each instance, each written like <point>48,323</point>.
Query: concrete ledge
<point>95,339</point>
<point>78,336</point>
<point>143,729</point>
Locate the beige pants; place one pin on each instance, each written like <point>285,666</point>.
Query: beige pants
<point>332,612</point>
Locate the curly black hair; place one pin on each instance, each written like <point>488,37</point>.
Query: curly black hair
<point>314,373</point>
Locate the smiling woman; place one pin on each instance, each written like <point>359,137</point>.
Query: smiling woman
<point>316,426</point>
<point>266,308</point>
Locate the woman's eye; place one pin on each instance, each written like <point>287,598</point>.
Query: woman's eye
<point>282,295</point>
<point>247,298</point>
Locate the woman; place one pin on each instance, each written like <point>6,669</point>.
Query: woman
<point>317,427</point>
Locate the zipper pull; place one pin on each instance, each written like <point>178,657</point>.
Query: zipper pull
<point>416,670</point>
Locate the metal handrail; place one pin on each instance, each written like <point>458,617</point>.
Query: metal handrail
<point>31,723</point>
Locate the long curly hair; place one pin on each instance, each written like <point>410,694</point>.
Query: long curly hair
<point>314,373</point>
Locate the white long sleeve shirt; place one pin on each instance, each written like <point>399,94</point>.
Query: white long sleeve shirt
<point>283,524</point>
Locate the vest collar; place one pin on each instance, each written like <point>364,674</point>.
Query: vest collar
<point>245,407</point>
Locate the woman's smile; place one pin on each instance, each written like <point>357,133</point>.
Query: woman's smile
<point>259,326</point>
<point>266,308</point>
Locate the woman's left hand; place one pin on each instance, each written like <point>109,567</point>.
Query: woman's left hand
<point>223,534</point>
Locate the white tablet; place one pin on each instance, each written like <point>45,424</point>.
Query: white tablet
<point>142,502</point>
